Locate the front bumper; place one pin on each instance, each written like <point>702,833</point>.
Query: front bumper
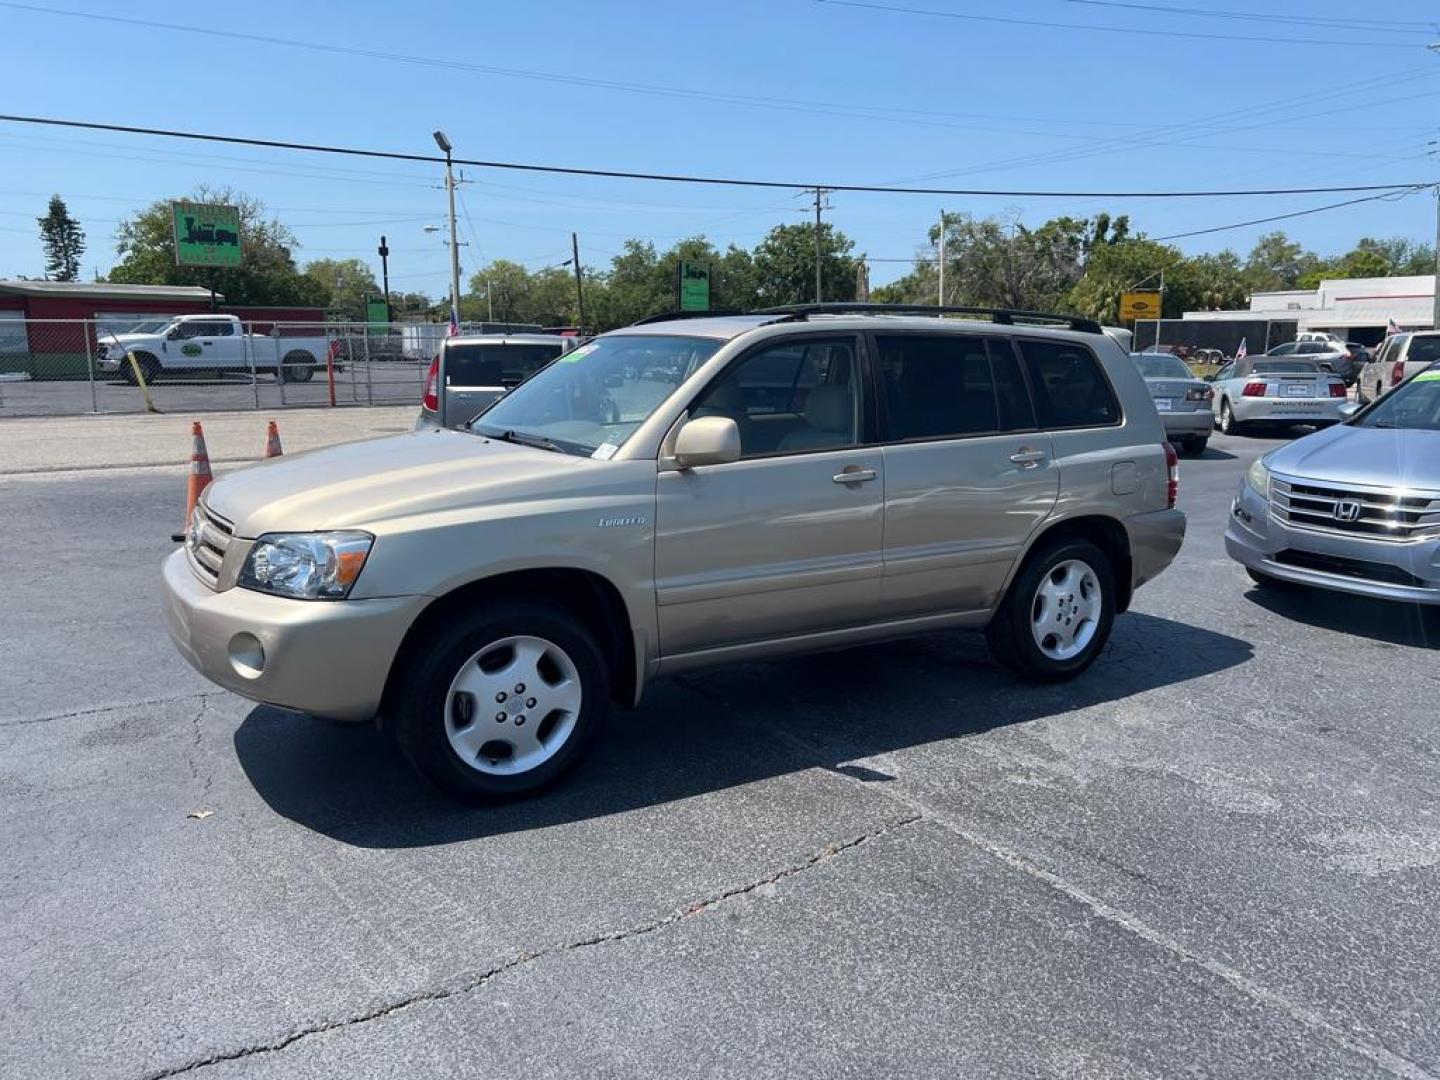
<point>1258,541</point>
<point>328,658</point>
<point>1286,410</point>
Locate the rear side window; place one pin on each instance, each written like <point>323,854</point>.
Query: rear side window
<point>1424,350</point>
<point>1070,388</point>
<point>944,385</point>
<point>495,365</point>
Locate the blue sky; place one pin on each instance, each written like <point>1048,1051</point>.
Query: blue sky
<point>788,89</point>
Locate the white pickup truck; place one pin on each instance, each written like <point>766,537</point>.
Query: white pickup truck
<point>191,343</point>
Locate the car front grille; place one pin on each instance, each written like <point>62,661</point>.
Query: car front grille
<point>1376,513</point>
<point>206,542</point>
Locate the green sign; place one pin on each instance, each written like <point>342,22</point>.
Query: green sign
<point>694,286</point>
<point>376,310</point>
<point>206,234</point>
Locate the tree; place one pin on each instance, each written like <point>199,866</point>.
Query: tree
<point>784,265</point>
<point>346,283</point>
<point>146,246</point>
<point>63,240</point>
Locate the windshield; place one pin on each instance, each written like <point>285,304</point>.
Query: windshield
<point>1414,405</point>
<point>593,398</point>
<point>1287,367</point>
<point>1161,366</point>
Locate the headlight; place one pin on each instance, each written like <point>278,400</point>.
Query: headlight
<point>307,566</point>
<point>1257,478</point>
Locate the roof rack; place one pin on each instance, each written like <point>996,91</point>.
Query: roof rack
<point>1004,316</point>
<point>672,316</point>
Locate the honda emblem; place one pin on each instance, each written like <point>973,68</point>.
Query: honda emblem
<point>1346,510</point>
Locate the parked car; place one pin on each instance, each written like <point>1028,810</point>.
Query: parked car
<point>188,344</point>
<point>1253,391</point>
<point>490,591</point>
<point>471,371</point>
<point>1399,357</point>
<point>1181,399</point>
<point>1330,357</point>
<point>1354,509</point>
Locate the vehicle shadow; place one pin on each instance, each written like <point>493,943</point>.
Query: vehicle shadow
<point>702,733</point>
<point>1211,453</point>
<point>1389,621</point>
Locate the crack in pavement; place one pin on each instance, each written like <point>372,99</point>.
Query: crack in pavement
<point>193,757</point>
<point>476,981</point>
<point>19,721</point>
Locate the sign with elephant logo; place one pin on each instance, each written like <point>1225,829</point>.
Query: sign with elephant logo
<point>206,234</point>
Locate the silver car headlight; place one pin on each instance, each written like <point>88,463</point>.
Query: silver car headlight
<point>306,566</point>
<point>1257,478</point>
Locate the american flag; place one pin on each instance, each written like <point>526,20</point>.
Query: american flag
<point>454,321</point>
<point>1392,328</point>
<point>1241,352</point>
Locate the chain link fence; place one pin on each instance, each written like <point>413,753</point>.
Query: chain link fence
<point>51,367</point>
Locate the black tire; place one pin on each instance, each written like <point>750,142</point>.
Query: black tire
<point>1228,424</point>
<point>297,367</point>
<point>1009,634</point>
<point>419,706</point>
<point>149,368</point>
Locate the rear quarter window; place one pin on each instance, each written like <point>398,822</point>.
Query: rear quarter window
<point>1069,386</point>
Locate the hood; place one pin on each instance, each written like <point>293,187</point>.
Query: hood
<point>360,484</point>
<point>1368,457</point>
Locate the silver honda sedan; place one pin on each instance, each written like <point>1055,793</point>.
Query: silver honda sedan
<point>1354,508</point>
<point>1181,398</point>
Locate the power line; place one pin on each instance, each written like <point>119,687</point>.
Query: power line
<point>1388,26</point>
<point>1298,213</point>
<point>682,178</point>
<point>1006,21</point>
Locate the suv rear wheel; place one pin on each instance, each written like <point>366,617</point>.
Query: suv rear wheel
<point>502,702</point>
<point>1057,615</point>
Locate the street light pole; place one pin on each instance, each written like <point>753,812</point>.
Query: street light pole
<point>446,148</point>
<point>384,252</point>
<point>1435,313</point>
<point>941,300</point>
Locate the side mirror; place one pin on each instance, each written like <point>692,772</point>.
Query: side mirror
<point>1349,409</point>
<point>174,334</point>
<point>707,440</point>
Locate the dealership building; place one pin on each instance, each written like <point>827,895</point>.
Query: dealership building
<point>1356,309</point>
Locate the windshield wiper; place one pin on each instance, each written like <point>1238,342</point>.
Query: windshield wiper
<point>521,438</point>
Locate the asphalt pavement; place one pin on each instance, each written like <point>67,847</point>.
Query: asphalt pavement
<point>1216,853</point>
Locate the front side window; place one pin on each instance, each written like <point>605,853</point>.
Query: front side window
<point>794,396</point>
<point>944,385</point>
<point>1070,388</point>
<point>591,400</point>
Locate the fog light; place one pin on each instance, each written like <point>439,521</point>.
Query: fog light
<point>247,655</point>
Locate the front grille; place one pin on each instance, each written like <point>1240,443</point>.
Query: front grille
<point>206,543</point>
<point>1376,513</point>
<point>1360,569</point>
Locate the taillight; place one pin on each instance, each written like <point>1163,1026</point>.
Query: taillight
<point>1337,389</point>
<point>431,400</point>
<point>1172,476</point>
<point>1200,393</point>
<point>1397,373</point>
<point>1253,389</point>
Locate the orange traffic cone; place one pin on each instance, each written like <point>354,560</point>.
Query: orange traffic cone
<point>200,475</point>
<point>272,441</point>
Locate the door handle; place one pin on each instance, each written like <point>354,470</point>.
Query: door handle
<point>854,475</point>
<point>1027,458</point>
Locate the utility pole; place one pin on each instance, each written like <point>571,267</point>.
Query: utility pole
<point>820,194</point>
<point>384,252</point>
<point>579,279</point>
<point>445,147</point>
<point>1435,313</point>
<point>941,300</point>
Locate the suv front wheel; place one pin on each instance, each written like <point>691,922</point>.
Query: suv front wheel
<point>502,702</point>
<point>1057,615</point>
